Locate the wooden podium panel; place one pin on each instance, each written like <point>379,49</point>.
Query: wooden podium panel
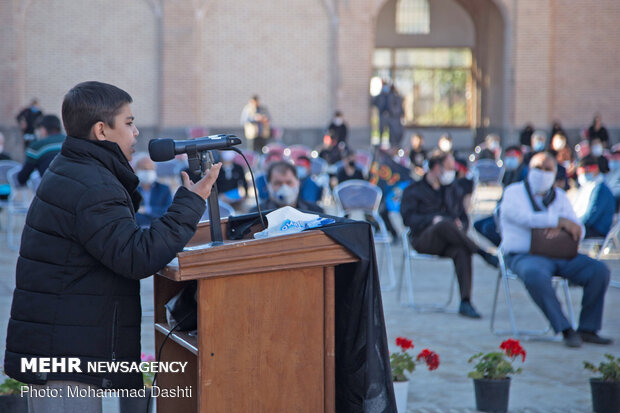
<point>265,325</point>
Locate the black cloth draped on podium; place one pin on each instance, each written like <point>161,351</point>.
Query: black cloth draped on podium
<point>363,374</point>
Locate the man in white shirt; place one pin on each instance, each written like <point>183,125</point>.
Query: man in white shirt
<point>518,218</point>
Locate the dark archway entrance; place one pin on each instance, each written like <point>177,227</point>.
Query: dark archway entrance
<point>452,71</point>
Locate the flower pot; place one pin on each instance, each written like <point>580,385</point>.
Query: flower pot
<point>13,403</point>
<point>401,391</point>
<point>136,404</point>
<point>492,395</point>
<point>605,396</point>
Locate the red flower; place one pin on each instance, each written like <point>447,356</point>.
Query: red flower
<point>513,348</point>
<point>430,358</point>
<point>404,343</point>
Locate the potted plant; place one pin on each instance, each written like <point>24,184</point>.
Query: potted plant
<point>491,380</point>
<point>401,362</point>
<point>138,404</point>
<point>11,400</point>
<point>605,389</point>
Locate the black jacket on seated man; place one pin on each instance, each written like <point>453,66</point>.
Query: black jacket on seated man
<point>80,263</point>
<point>421,204</point>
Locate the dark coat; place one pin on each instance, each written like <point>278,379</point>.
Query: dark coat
<point>81,258</point>
<point>421,203</point>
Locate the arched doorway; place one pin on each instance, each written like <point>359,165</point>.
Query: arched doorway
<point>447,59</point>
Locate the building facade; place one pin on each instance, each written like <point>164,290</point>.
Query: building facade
<point>467,66</point>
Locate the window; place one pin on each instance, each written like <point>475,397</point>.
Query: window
<point>413,17</point>
<point>436,84</point>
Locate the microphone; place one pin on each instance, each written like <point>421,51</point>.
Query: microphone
<point>161,150</point>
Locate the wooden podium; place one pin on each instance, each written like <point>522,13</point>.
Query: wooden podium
<point>265,324</point>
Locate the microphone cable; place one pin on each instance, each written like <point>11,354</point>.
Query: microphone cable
<point>260,213</point>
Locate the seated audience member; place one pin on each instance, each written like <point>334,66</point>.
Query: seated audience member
<point>563,153</point>
<point>331,150</point>
<point>232,187</point>
<point>525,137</point>
<point>430,209</point>
<point>597,150</point>
<point>539,143</point>
<point>349,169</point>
<point>514,171</point>
<point>612,179</point>
<point>598,131</point>
<point>594,204</point>
<point>309,190</point>
<point>337,129</point>
<point>445,143</point>
<point>261,176</point>
<point>156,197</point>
<point>491,148</point>
<point>4,156</point>
<point>283,187</point>
<point>44,149</point>
<point>417,154</point>
<point>553,211</point>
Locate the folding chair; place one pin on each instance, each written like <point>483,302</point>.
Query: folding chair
<point>409,255</point>
<point>504,277</point>
<point>358,196</point>
<point>610,241</point>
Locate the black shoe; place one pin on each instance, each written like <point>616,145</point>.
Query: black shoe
<point>571,338</point>
<point>468,310</point>
<point>489,258</point>
<point>591,337</point>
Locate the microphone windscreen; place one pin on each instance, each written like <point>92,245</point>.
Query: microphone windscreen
<point>161,150</point>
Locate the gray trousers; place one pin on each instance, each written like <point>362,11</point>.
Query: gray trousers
<point>58,401</point>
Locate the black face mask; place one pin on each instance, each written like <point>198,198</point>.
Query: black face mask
<point>352,164</point>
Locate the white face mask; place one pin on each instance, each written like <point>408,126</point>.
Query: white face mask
<point>445,145</point>
<point>146,177</point>
<point>286,195</point>
<point>338,121</point>
<point>597,150</point>
<point>447,177</point>
<point>540,181</point>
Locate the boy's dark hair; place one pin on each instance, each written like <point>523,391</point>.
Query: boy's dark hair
<point>280,167</point>
<point>51,123</point>
<point>437,158</point>
<point>90,102</point>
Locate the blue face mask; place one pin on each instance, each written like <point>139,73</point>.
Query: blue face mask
<point>538,146</point>
<point>302,172</point>
<point>614,165</point>
<point>511,163</point>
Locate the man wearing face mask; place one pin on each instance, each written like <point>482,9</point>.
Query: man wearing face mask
<point>349,169</point>
<point>283,187</point>
<point>156,197</point>
<point>231,184</point>
<point>555,213</point>
<point>594,204</point>
<point>438,223</point>
<point>337,129</point>
<point>597,150</point>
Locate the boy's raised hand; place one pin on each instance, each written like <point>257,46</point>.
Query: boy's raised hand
<point>203,187</point>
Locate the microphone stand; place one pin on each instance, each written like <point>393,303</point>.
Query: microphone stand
<point>199,162</point>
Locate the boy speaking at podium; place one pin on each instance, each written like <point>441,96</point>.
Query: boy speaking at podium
<point>82,255</point>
